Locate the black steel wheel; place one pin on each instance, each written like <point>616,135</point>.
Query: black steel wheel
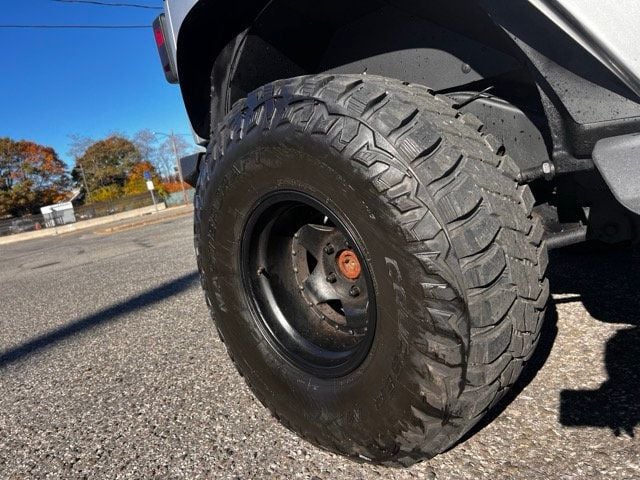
<point>310,290</point>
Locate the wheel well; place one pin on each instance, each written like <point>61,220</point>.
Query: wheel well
<point>451,47</point>
<point>208,27</point>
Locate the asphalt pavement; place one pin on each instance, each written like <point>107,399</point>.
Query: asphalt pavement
<point>110,368</point>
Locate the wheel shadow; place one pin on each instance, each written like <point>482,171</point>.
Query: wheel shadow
<point>108,315</point>
<point>608,289</point>
<point>607,283</point>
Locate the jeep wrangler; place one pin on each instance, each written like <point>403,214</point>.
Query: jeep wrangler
<point>381,184</point>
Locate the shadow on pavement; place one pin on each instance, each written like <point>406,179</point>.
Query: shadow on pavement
<point>107,315</point>
<point>608,285</point>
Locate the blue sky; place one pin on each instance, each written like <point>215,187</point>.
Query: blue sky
<point>88,82</point>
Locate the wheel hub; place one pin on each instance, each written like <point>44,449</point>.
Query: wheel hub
<point>339,299</point>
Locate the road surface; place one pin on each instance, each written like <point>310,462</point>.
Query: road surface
<point>110,368</point>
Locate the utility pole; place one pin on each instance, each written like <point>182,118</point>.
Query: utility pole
<point>175,152</point>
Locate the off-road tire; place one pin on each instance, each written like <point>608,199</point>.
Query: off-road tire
<point>456,254</point>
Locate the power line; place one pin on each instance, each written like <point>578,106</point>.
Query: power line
<point>109,4</point>
<point>76,27</point>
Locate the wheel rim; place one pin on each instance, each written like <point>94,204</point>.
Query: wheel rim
<point>307,284</point>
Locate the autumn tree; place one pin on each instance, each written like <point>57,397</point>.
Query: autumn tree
<point>31,176</point>
<point>105,165</point>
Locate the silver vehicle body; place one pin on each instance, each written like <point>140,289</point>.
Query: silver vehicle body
<point>611,36</point>
<point>608,33</point>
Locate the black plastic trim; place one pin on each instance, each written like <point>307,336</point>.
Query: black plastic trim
<point>190,167</point>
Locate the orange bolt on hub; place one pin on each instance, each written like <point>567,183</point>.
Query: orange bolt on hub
<point>349,265</point>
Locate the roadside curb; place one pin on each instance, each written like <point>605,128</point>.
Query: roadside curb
<point>167,215</point>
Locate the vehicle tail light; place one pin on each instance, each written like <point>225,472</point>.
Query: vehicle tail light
<point>166,59</point>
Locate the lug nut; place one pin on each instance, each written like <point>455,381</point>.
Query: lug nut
<point>331,278</point>
<point>354,291</point>
<point>329,249</point>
